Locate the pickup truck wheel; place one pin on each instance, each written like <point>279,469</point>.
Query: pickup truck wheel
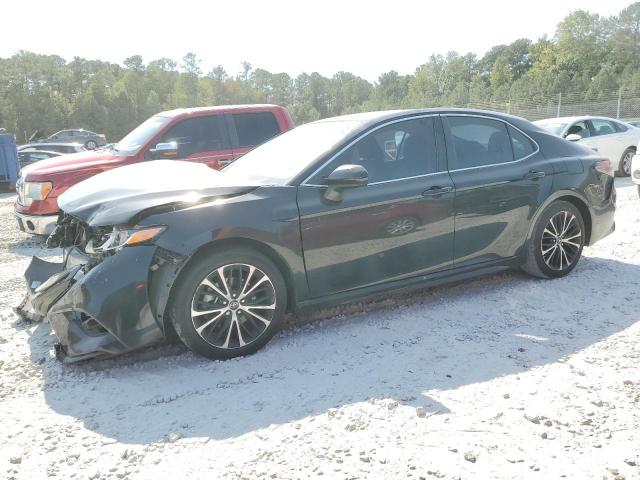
<point>229,304</point>
<point>556,244</point>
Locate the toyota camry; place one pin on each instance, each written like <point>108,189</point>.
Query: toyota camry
<point>329,212</point>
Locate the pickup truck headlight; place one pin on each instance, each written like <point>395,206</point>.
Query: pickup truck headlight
<point>30,191</point>
<point>118,238</point>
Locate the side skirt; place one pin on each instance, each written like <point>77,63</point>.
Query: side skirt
<point>420,281</point>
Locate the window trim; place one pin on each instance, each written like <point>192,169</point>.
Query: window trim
<point>364,134</point>
<point>537,150</point>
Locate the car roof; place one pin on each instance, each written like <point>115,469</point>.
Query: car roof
<point>40,144</point>
<point>218,108</point>
<point>36,150</point>
<point>576,119</point>
<point>371,118</point>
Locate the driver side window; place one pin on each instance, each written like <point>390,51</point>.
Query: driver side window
<point>399,150</point>
<point>195,135</point>
<point>579,128</point>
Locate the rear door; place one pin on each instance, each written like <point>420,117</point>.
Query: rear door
<point>250,129</point>
<point>500,179</point>
<point>202,139</point>
<point>607,140</point>
<point>399,225</point>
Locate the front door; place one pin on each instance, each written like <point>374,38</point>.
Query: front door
<point>500,179</point>
<point>399,225</point>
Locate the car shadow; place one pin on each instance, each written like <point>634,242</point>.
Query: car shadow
<point>401,348</point>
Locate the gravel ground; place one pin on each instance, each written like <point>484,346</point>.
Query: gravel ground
<point>501,377</point>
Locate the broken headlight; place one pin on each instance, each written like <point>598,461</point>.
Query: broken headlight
<point>119,238</point>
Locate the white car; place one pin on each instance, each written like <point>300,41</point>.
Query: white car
<point>635,171</point>
<point>611,138</point>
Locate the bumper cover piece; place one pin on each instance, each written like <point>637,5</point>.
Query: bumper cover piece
<point>98,309</point>
<point>36,224</point>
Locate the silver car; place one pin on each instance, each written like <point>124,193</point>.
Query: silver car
<point>615,139</point>
<point>89,139</point>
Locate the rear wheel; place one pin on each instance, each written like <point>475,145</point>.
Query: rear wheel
<point>91,145</point>
<point>624,170</point>
<point>557,241</point>
<point>229,304</point>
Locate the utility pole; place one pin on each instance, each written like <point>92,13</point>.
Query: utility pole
<point>619,102</point>
<point>559,103</point>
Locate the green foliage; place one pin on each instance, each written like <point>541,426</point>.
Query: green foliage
<point>589,57</point>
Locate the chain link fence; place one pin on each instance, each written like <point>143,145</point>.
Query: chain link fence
<point>613,104</point>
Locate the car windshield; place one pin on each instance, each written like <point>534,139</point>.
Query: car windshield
<point>554,127</point>
<point>279,160</point>
<point>139,136</point>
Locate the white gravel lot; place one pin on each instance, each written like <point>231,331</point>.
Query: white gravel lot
<point>500,377</point>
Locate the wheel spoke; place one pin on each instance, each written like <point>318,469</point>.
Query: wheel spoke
<point>574,236</point>
<point>199,313</point>
<point>234,320</point>
<point>259,282</point>
<point>552,247</point>
<point>577,245</point>
<point>247,280</point>
<point>207,283</point>
<point>259,317</point>
<point>208,322</point>
<point>224,281</point>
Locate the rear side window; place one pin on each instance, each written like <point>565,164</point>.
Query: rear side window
<point>476,142</point>
<point>197,134</point>
<point>602,127</point>
<point>255,128</point>
<point>522,146</point>
<point>620,127</point>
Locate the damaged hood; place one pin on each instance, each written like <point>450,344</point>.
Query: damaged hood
<point>117,196</point>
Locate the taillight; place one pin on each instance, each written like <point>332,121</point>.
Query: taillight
<point>605,166</point>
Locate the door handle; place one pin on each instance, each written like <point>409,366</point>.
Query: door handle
<point>534,175</point>
<point>436,191</point>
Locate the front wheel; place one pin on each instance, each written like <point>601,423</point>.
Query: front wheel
<point>557,241</point>
<point>91,145</point>
<point>228,304</point>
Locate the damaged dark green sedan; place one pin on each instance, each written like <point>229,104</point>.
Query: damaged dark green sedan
<point>329,212</point>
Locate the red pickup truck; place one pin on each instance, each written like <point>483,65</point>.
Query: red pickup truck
<point>212,135</point>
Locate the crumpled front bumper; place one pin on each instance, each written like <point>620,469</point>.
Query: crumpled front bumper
<point>95,309</point>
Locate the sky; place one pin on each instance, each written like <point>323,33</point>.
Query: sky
<point>327,36</point>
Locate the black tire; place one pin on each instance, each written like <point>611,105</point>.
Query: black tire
<point>546,266</point>
<point>190,290</point>
<point>624,170</point>
<point>91,145</point>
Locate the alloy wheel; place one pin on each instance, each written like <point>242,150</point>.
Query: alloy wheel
<point>561,241</point>
<point>626,163</point>
<point>233,306</point>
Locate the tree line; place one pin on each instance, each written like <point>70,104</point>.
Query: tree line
<point>588,54</point>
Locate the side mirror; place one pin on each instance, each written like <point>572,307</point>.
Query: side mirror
<point>344,177</point>
<point>164,150</point>
<point>573,137</point>
<point>348,176</point>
